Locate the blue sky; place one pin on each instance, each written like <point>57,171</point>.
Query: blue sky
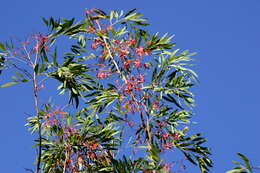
<point>224,33</point>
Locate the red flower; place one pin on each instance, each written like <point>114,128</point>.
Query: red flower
<point>130,42</point>
<point>117,41</point>
<point>123,53</point>
<point>37,47</point>
<point>132,78</point>
<point>176,135</point>
<point>103,75</point>
<point>165,136</point>
<point>91,145</point>
<point>137,63</point>
<point>41,42</point>
<point>55,112</point>
<point>88,11</point>
<point>146,65</point>
<point>129,87</point>
<point>129,105</point>
<point>127,64</point>
<point>94,45</point>
<point>96,42</point>
<point>109,27</point>
<point>140,79</point>
<point>94,146</point>
<point>167,145</point>
<point>141,51</point>
<point>52,122</point>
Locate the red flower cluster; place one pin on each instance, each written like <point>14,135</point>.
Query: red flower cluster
<point>167,145</point>
<point>130,87</point>
<point>132,106</point>
<point>55,112</point>
<point>176,135</point>
<point>140,51</point>
<point>137,63</point>
<point>91,145</point>
<point>140,79</point>
<point>130,42</point>
<point>132,83</point>
<point>123,53</point>
<point>70,130</point>
<point>117,41</point>
<point>165,136</point>
<point>103,75</point>
<point>52,122</point>
<point>167,139</point>
<point>41,42</point>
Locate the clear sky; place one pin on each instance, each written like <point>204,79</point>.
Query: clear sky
<point>224,33</point>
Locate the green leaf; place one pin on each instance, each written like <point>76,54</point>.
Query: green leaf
<point>130,12</point>
<point>36,67</point>
<point>54,57</point>
<point>2,47</point>
<point>46,22</point>
<point>8,84</point>
<point>135,17</point>
<point>169,98</point>
<point>246,160</point>
<point>69,121</point>
<point>82,41</point>
<point>237,170</point>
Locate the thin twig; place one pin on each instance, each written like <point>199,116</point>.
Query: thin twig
<point>28,56</point>
<point>36,101</point>
<point>110,55</point>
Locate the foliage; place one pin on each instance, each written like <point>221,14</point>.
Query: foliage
<point>245,167</point>
<point>123,81</point>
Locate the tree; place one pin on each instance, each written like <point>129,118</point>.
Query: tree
<point>126,86</point>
